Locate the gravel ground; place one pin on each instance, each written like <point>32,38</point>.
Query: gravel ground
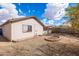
<point>51,45</point>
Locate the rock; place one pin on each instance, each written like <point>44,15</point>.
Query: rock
<point>52,39</point>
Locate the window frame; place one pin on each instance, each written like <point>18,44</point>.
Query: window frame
<point>26,28</point>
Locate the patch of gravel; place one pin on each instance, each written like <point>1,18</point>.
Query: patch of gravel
<point>50,45</point>
<point>59,49</point>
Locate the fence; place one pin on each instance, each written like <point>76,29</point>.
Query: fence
<point>65,30</point>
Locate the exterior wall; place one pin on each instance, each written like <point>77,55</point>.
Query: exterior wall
<point>17,33</point>
<point>46,32</point>
<point>6,29</point>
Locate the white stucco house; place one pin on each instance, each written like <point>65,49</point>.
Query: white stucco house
<point>22,28</point>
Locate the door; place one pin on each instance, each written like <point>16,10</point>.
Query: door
<point>1,32</point>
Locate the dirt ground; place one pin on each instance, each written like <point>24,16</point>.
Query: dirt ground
<point>52,45</point>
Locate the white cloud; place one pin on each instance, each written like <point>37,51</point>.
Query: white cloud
<point>20,12</point>
<point>44,21</point>
<point>29,11</point>
<point>50,22</point>
<point>47,22</point>
<point>55,11</point>
<point>11,8</point>
<point>8,11</point>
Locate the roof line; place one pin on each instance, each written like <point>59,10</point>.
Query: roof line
<point>21,19</point>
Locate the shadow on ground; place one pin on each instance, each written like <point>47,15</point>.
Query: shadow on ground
<point>59,49</point>
<point>2,39</point>
<point>41,47</point>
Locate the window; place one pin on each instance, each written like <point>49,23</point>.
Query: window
<point>26,28</point>
<point>29,28</point>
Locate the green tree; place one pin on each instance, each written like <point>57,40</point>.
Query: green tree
<point>73,13</point>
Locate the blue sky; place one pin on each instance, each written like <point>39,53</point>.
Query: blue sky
<point>31,9</point>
